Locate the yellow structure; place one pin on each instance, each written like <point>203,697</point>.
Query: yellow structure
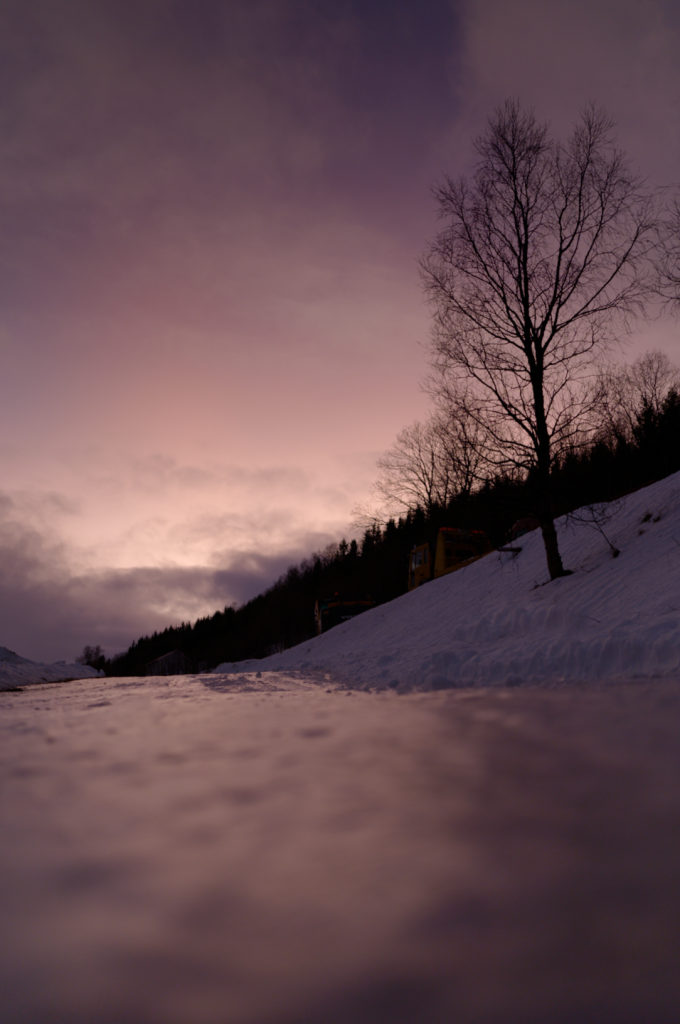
<point>455,548</point>
<point>419,570</point>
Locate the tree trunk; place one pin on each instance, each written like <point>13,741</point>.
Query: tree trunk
<point>555,567</point>
<point>545,508</point>
<point>552,551</point>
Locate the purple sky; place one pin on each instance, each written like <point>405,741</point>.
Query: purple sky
<point>210,319</point>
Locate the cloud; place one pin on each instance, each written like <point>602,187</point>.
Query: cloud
<point>129,544</point>
<point>116,109</point>
<point>49,609</point>
<point>203,206</point>
<point>622,54</point>
<point>160,510</point>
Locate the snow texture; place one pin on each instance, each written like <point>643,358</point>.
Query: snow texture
<point>501,622</point>
<point>16,671</point>
<point>244,850</point>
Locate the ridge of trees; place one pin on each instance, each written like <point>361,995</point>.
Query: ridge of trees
<point>638,442</point>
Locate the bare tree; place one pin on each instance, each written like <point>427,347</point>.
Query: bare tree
<point>367,515</point>
<point>625,392</point>
<point>543,257</point>
<point>459,446</point>
<point>428,465</point>
<point>92,656</point>
<point>415,470</point>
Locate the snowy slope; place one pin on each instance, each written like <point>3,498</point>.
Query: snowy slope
<point>17,671</point>
<point>499,622</point>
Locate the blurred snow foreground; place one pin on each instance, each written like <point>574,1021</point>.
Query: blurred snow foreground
<point>501,622</point>
<point>266,850</point>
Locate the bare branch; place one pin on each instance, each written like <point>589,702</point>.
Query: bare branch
<point>624,393</point>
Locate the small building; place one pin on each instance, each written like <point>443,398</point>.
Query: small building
<point>173,664</point>
<point>331,611</point>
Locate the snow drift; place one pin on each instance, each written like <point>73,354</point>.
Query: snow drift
<point>501,622</point>
<point>17,671</point>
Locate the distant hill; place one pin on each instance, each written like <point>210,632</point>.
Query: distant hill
<point>16,671</point>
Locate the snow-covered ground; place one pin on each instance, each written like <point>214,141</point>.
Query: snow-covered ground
<point>17,671</point>
<point>499,622</point>
<point>225,850</point>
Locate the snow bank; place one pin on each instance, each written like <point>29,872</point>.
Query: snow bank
<point>500,622</point>
<point>16,671</point>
